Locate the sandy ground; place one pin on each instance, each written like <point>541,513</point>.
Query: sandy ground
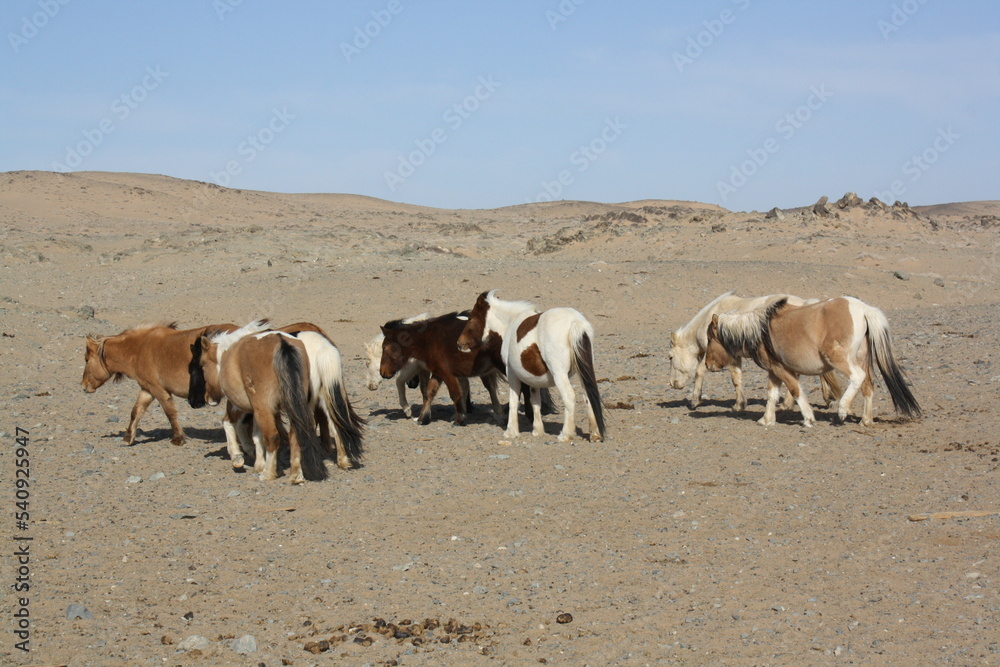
<point>686,538</point>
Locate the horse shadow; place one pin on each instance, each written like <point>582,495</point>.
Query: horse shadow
<point>143,436</point>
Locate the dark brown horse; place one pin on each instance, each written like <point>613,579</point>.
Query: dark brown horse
<point>157,357</point>
<point>434,342</point>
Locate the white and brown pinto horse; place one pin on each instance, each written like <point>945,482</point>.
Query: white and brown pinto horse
<point>689,342</point>
<point>156,356</point>
<point>845,334</point>
<point>539,350</point>
<point>325,399</point>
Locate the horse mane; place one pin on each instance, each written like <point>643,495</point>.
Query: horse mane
<point>423,319</point>
<point>225,340</point>
<point>146,326</point>
<point>742,333</point>
<point>511,308</point>
<point>704,314</point>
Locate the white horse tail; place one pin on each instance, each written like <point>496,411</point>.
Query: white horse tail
<point>880,351</point>
<point>581,336</point>
<point>328,387</point>
<point>289,367</point>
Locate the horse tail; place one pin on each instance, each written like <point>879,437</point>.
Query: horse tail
<point>880,351</point>
<point>332,394</point>
<point>289,369</point>
<point>580,339</point>
<point>196,377</point>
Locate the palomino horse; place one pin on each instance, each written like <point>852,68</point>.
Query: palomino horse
<point>157,357</point>
<point>539,350</point>
<point>688,345</point>
<point>433,342</point>
<point>327,397</point>
<point>844,334</point>
<point>237,430</point>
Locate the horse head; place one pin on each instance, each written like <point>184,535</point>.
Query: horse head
<point>393,356</point>
<point>683,361</point>
<point>95,369</point>
<point>716,355</point>
<point>373,350</point>
<point>471,337</point>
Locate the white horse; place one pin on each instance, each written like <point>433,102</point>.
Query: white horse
<point>540,350</point>
<point>787,341</point>
<point>688,345</point>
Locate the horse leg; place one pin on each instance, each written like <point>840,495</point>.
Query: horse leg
<point>773,393</point>
<point>141,403</point>
<point>490,382</point>
<point>830,384</point>
<point>458,398</point>
<point>568,397</point>
<point>167,403</point>
<point>513,397</point>
<point>229,421</point>
<point>595,429</point>
<point>430,391</point>
<point>258,447</point>
<point>801,398</point>
<point>267,427</point>
<point>466,394</point>
<point>736,375</point>
<point>857,377</point>
<point>699,380</point>
<point>868,416</point>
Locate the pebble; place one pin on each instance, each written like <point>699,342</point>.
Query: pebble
<point>193,643</point>
<point>134,479</point>
<point>244,645</point>
<point>75,611</point>
<point>902,275</point>
<point>156,475</point>
<point>233,494</point>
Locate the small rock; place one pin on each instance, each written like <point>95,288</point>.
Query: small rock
<point>156,475</point>
<point>775,214</point>
<point>113,419</point>
<point>86,312</point>
<point>75,611</point>
<point>134,479</point>
<point>233,494</point>
<point>939,282</point>
<point>194,643</point>
<point>244,645</point>
<point>564,618</point>
<point>902,275</point>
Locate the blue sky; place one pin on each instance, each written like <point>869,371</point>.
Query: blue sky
<point>745,103</point>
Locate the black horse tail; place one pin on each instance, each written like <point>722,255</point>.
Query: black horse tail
<point>196,375</point>
<point>583,359</point>
<point>288,365</point>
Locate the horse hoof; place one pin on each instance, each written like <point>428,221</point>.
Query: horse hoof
<point>177,442</point>
<point>594,437</point>
<point>510,435</point>
<point>238,464</point>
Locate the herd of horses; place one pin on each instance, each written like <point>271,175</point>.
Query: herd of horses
<point>268,376</point>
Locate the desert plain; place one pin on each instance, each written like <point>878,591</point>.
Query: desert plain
<point>687,537</point>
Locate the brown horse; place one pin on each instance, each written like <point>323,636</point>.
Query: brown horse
<point>236,424</point>
<point>845,334</point>
<point>267,375</point>
<point>434,342</point>
<point>157,357</point>
<point>327,397</point>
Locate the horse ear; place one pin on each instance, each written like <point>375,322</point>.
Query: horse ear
<point>673,338</point>
<point>384,332</point>
<point>715,319</point>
